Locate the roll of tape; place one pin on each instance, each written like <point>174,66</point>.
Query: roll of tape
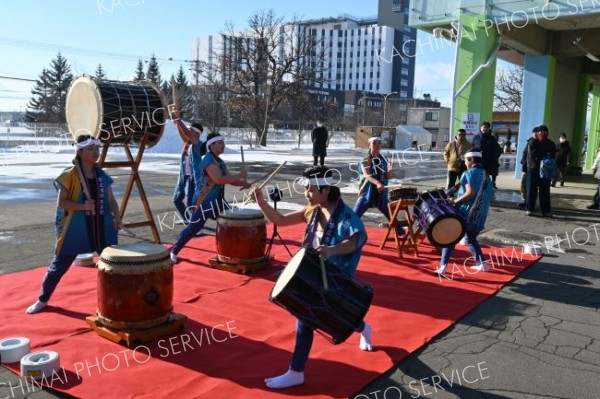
<point>38,365</point>
<point>84,260</point>
<point>13,349</point>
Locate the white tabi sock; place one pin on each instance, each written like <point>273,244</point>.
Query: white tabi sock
<point>290,379</point>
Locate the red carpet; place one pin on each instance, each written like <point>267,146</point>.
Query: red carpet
<point>410,307</point>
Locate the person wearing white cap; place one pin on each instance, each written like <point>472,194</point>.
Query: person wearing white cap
<point>336,233</point>
<point>375,171</point>
<point>83,224</point>
<point>472,203</point>
<point>189,169</point>
<point>210,191</point>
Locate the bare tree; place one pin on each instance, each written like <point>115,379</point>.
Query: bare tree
<point>509,89</point>
<point>260,67</point>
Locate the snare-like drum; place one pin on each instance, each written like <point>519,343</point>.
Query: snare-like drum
<point>336,311</point>
<point>402,193</point>
<point>135,286</point>
<point>438,218</point>
<point>121,111</point>
<point>241,236</point>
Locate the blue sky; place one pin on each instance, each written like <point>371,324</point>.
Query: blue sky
<point>117,32</point>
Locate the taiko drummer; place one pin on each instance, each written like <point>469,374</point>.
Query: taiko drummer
<point>336,233</point>
<point>210,191</point>
<point>87,215</point>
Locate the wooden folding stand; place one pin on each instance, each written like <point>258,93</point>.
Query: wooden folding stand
<point>413,238</point>
<point>134,164</point>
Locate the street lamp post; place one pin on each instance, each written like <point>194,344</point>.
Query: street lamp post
<point>385,104</point>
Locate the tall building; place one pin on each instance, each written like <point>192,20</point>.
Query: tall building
<point>361,57</point>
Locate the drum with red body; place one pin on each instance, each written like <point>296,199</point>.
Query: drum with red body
<point>135,286</point>
<point>241,236</point>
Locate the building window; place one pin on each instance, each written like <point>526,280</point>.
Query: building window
<point>431,116</point>
<point>404,71</point>
<point>403,93</point>
<point>404,82</point>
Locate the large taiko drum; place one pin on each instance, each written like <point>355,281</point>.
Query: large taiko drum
<point>119,111</point>
<point>335,311</point>
<point>438,218</point>
<point>135,286</point>
<point>241,236</point>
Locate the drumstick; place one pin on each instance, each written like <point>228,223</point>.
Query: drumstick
<point>86,192</point>
<point>257,179</point>
<point>242,152</point>
<point>268,179</point>
<point>323,273</point>
<point>174,92</point>
<point>272,175</point>
<point>393,186</point>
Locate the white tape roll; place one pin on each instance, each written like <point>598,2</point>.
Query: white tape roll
<point>532,249</point>
<point>38,365</point>
<point>84,260</point>
<point>13,349</point>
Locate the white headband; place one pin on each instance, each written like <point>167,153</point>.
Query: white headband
<point>88,143</point>
<point>214,140</point>
<point>372,139</point>
<point>472,154</point>
<point>195,129</point>
<point>316,181</point>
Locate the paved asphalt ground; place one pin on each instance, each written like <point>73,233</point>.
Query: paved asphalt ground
<point>538,337</point>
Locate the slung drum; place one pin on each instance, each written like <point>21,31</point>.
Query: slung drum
<point>119,111</point>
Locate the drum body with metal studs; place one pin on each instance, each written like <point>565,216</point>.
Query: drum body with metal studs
<point>241,236</point>
<point>135,286</point>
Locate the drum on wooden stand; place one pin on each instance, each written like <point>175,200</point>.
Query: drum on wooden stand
<point>337,311</point>
<point>402,193</point>
<point>121,111</point>
<point>241,238</point>
<point>135,286</point>
<point>438,218</point>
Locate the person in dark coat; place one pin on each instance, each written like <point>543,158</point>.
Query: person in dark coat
<point>563,159</point>
<point>319,138</point>
<point>524,165</point>
<point>537,150</point>
<point>491,151</point>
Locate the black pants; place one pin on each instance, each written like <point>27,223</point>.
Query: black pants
<point>452,177</point>
<point>319,157</point>
<point>524,186</point>
<point>535,184</point>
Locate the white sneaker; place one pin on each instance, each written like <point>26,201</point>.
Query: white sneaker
<point>482,267</point>
<point>174,258</point>
<point>440,270</point>
<point>36,307</point>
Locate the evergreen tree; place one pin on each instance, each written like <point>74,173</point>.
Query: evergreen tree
<point>42,102</point>
<point>100,75</point>
<point>183,93</point>
<point>139,72</point>
<point>152,73</point>
<point>50,93</point>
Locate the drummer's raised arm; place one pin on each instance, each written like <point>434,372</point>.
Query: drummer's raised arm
<point>272,214</point>
<point>182,129</point>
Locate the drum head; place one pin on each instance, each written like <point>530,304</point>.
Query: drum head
<point>447,231</point>
<point>134,258</point>
<point>84,110</point>
<point>288,273</point>
<point>241,214</point>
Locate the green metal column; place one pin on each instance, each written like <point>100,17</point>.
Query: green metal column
<point>476,45</point>
<point>594,132</point>
<point>579,119</point>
